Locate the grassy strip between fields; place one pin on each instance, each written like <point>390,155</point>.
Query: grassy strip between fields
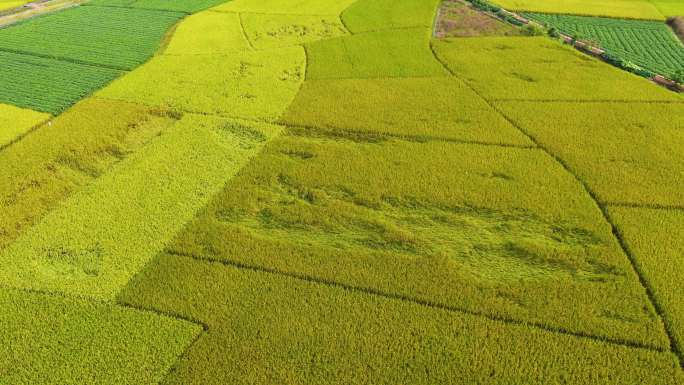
<point>15,122</point>
<point>268,329</point>
<point>93,243</point>
<point>57,340</point>
<point>386,216</point>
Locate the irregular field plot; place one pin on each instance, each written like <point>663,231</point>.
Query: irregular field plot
<point>460,20</point>
<point>404,53</point>
<point>467,226</point>
<point>253,85</point>
<point>656,237</point>
<point>269,329</point>
<point>292,7</point>
<point>56,340</point>
<point>274,31</point>
<point>626,152</point>
<point>113,37</point>
<point>15,122</point>
<point>425,107</point>
<point>536,68</point>
<point>47,85</point>
<point>208,33</point>
<point>636,9</point>
<point>94,242</point>
<point>375,15</point>
<point>649,44</point>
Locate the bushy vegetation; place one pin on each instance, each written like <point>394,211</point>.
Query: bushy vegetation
<point>537,68</point>
<point>395,53</point>
<point>113,37</point>
<point>50,339</point>
<point>633,9</point>
<point>15,122</point>
<point>627,152</point>
<point>268,329</point>
<point>416,108</point>
<point>377,15</point>
<point>647,44</point>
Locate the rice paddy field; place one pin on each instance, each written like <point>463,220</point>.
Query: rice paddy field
<point>199,192</point>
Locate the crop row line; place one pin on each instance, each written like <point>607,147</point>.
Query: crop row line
<point>645,206</point>
<point>65,59</point>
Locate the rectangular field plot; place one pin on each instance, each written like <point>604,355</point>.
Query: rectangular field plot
<point>208,33</point>
<point>267,329</point>
<point>385,54</point>
<point>291,7</point>
<point>633,9</point>
<point>47,85</point>
<point>504,232</point>
<point>251,85</point>
<point>15,122</point>
<point>656,238</point>
<point>99,238</point>
<point>113,37</point>
<point>626,152</point>
<point>376,15</point>
<point>649,44</point>
<point>537,68</point>
<point>274,31</point>
<point>420,107</point>
<point>55,340</point>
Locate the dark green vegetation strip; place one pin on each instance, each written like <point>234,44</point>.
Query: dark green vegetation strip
<point>112,37</point>
<point>186,6</point>
<point>375,15</point>
<point>47,85</point>
<point>656,237</point>
<point>626,152</point>
<point>56,340</point>
<point>648,44</point>
<point>267,329</point>
<point>388,217</point>
<point>415,108</point>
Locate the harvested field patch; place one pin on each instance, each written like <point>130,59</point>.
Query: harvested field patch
<point>536,68</point>
<point>626,152</point>
<point>93,243</point>
<point>633,9</point>
<point>459,20</point>
<point>261,326</point>
<point>252,85</point>
<point>376,15</point>
<point>289,7</point>
<point>420,107</point>
<point>15,122</point>
<point>275,31</point>
<point>458,225</point>
<point>404,53</point>
<point>208,33</point>
<point>57,340</point>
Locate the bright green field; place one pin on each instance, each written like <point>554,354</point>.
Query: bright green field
<point>631,9</point>
<point>320,192</point>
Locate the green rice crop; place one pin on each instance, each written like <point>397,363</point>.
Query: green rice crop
<point>97,239</point>
<point>208,33</point>
<point>56,340</point>
<point>185,6</point>
<point>15,122</point>
<point>274,31</point>
<point>626,152</point>
<point>113,37</point>
<point>404,53</point>
<point>253,85</point>
<point>633,9</point>
<point>418,107</point>
<point>376,15</point>
<point>648,44</point>
<point>47,85</point>
<point>269,329</point>
<point>290,7</point>
<point>656,237</point>
<point>537,68</point>
<point>499,231</point>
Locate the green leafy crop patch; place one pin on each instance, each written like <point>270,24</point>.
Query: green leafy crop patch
<point>97,239</point>
<point>267,329</point>
<point>636,9</point>
<point>419,107</point>
<point>253,85</point>
<point>389,217</point>
<point>184,6</point>
<point>25,81</point>
<point>536,68</point>
<point>15,122</point>
<point>107,36</point>
<point>274,31</point>
<point>288,7</point>
<point>656,238</point>
<point>401,53</point>
<point>376,15</point>
<point>208,33</point>
<point>56,340</point>
<point>626,152</point>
